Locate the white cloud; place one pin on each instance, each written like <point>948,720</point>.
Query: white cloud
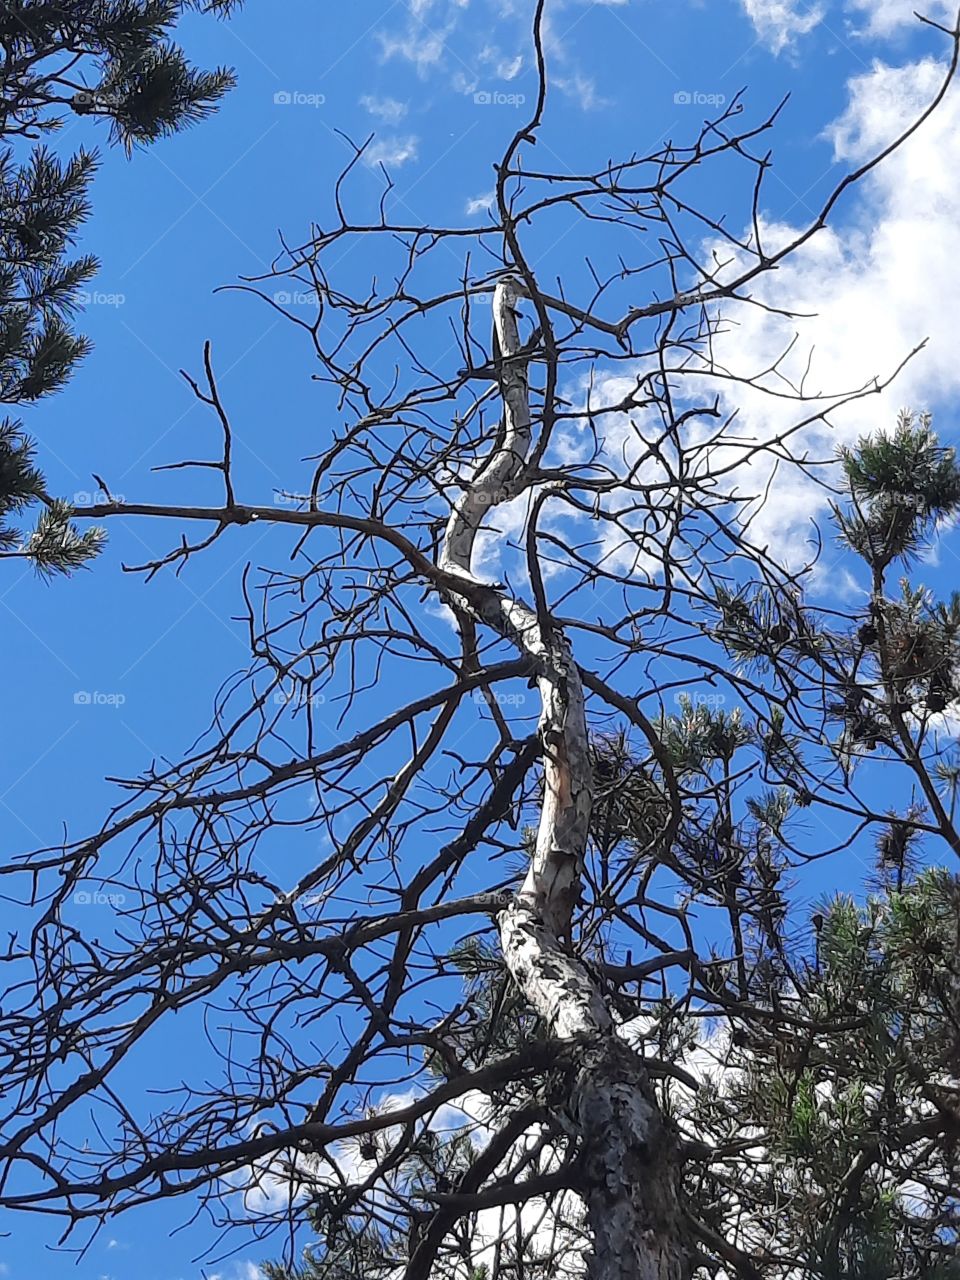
<point>865,293</point>
<point>427,41</point>
<point>239,1271</point>
<point>423,41</point>
<point>392,152</point>
<point>884,17</point>
<point>503,66</point>
<point>583,89</point>
<point>269,1186</point>
<point>479,203</point>
<point>565,74</point>
<point>388,109</point>
<point>421,47</point>
<point>779,22</point>
<point>877,287</point>
<point>882,103</point>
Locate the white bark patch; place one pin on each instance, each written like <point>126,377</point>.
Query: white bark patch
<point>492,483</point>
<point>556,984</point>
<point>630,1186</point>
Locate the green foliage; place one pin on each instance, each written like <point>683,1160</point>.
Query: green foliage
<point>629,805</point>
<point>154,94</point>
<point>921,647</point>
<point>54,546</point>
<point>129,70</point>
<point>901,666</point>
<point>112,59</point>
<point>700,735</point>
<point>841,1041</point>
<point>803,1128</point>
<point>350,1252</point>
<point>772,808</point>
<point>20,481</point>
<point>839,1092</point>
<point>900,485</point>
<point>43,203</point>
<point>757,627</point>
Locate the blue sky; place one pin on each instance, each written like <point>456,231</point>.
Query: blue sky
<point>442,84</point>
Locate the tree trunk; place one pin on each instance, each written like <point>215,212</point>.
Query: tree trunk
<point>631,1170</point>
<point>630,1158</point>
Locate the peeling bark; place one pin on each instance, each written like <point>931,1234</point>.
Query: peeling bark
<point>631,1170</point>
<point>629,1154</point>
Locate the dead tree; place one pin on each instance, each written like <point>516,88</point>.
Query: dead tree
<point>534,488</point>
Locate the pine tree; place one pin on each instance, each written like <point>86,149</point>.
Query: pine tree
<point>832,1117</point>
<point>839,1068</point>
<point>439,1030</point>
<point>110,59</point>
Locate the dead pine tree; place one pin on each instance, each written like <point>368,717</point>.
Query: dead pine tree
<point>527,535</point>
